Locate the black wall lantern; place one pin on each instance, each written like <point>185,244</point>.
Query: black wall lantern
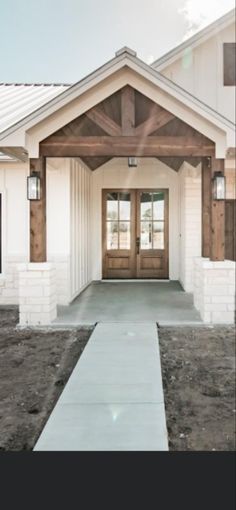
<point>33,187</point>
<point>219,186</point>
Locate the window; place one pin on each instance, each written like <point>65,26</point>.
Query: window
<point>0,233</point>
<point>118,221</point>
<point>229,64</point>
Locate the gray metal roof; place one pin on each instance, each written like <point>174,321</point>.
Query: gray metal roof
<point>17,100</point>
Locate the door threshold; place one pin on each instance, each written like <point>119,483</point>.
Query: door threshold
<point>136,280</point>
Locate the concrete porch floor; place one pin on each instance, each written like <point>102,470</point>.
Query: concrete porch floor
<point>162,302</point>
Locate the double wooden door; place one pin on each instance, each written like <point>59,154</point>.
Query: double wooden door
<point>135,233</point>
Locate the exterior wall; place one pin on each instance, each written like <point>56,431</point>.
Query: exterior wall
<point>214,290</point>
<point>68,185</point>
<point>15,212</point>
<point>150,173</point>
<point>66,210</point>
<point>37,294</point>
<point>190,223</point>
<point>200,72</point>
<point>80,275</point>
<point>58,224</point>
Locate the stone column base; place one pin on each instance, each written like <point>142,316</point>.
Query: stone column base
<point>37,294</point>
<point>214,290</point>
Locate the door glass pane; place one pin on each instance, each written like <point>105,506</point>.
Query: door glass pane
<point>158,206</point>
<point>146,235</point>
<point>146,206</point>
<point>112,235</point>
<point>112,206</point>
<point>124,231</point>
<point>158,235</point>
<point>124,206</point>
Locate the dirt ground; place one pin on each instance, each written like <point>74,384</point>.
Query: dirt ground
<point>198,377</point>
<point>34,368</point>
<point>198,368</point>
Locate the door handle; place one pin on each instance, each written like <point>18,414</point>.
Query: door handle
<point>138,244</point>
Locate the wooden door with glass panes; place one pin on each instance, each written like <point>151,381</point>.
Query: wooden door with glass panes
<point>135,234</point>
<point>152,234</point>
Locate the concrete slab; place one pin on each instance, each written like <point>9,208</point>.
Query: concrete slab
<point>160,302</point>
<point>114,397</point>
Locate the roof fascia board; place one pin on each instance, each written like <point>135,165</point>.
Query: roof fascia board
<point>194,41</point>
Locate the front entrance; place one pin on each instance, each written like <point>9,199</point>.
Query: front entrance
<point>135,233</point>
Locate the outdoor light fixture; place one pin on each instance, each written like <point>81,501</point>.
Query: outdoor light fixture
<point>218,186</point>
<point>33,187</point>
<point>132,162</point>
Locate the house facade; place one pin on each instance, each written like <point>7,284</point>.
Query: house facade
<point>127,161</point>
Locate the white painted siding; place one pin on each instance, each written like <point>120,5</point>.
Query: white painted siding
<point>200,72</point>
<point>68,189</point>
<point>15,214</point>
<point>80,227</point>
<point>58,224</point>
<point>150,173</point>
<point>190,223</point>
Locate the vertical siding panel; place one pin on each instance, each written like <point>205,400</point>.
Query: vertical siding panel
<point>80,227</point>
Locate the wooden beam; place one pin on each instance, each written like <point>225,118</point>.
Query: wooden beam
<point>206,206</point>
<point>128,111</point>
<point>104,122</point>
<point>153,146</point>
<point>38,215</point>
<point>153,123</point>
<point>217,246</point>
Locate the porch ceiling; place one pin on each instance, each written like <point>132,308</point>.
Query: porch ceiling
<point>128,124</point>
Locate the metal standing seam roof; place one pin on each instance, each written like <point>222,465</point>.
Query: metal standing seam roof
<point>19,100</point>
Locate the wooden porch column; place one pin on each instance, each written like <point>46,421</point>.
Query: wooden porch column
<point>38,214</point>
<point>206,206</point>
<point>217,218</point>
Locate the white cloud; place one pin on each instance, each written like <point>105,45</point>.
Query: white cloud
<point>200,13</point>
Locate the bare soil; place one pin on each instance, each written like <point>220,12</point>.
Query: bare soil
<point>198,368</point>
<point>34,368</point>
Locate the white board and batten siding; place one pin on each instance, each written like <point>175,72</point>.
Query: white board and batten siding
<point>68,225</point>
<point>200,71</point>
<point>80,275</point>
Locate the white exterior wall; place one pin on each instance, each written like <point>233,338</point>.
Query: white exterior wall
<point>200,72</point>
<point>214,290</point>
<point>15,235</point>
<point>68,188</point>
<point>80,275</point>
<point>67,227</point>
<point>150,173</point>
<point>190,222</point>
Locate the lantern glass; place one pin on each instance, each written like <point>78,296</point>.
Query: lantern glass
<point>33,187</point>
<point>219,186</point>
<point>132,162</point>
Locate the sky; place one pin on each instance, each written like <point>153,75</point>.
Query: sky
<point>61,41</point>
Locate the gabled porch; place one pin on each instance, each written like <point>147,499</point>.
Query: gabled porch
<point>172,226</point>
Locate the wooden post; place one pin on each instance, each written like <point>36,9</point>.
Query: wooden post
<point>38,215</point>
<point>217,246</point>
<point>206,206</point>
<point>128,111</point>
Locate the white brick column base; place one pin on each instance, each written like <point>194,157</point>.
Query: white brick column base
<point>214,290</point>
<point>37,294</point>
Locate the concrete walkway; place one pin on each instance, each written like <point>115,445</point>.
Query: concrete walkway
<point>162,302</point>
<point>114,397</point>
